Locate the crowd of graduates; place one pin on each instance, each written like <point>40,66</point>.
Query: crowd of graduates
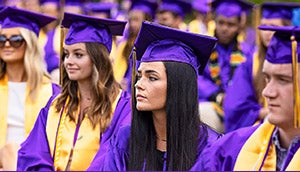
<point>149,85</point>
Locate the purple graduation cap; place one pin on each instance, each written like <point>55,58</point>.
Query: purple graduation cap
<point>282,10</point>
<point>83,28</point>
<point>147,6</point>
<point>230,8</point>
<point>161,43</point>
<point>11,17</point>
<point>100,7</point>
<point>180,7</point>
<point>280,49</point>
<point>283,49</point>
<point>201,6</point>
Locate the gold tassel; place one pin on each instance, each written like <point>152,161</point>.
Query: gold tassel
<point>62,37</point>
<point>295,82</point>
<point>133,75</point>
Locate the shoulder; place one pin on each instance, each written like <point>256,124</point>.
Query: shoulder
<point>121,140</point>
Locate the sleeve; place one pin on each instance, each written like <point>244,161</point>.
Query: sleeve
<point>240,104</point>
<point>116,156</point>
<point>34,154</point>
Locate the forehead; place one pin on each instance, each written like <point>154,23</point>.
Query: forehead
<point>156,66</point>
<point>12,31</point>
<point>277,69</point>
<point>75,46</point>
<point>228,19</point>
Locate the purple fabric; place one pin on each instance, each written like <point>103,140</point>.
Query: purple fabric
<point>117,155</point>
<point>282,10</point>
<point>83,28</point>
<point>15,17</point>
<point>280,48</point>
<point>240,103</point>
<point>161,43</point>
<point>222,154</point>
<point>34,153</point>
<point>206,85</point>
<point>180,7</point>
<point>231,8</point>
<point>147,6</point>
<point>51,57</point>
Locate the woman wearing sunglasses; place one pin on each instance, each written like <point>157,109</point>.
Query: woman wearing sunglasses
<point>25,86</point>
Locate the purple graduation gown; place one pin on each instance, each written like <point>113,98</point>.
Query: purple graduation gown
<point>34,153</point>
<point>117,155</point>
<point>206,86</point>
<point>222,154</point>
<point>240,104</point>
<point>51,57</point>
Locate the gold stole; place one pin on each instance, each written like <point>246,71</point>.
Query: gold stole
<point>255,149</point>
<point>87,144</point>
<point>32,109</point>
<point>120,63</point>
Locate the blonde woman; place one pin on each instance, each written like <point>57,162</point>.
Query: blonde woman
<point>25,86</point>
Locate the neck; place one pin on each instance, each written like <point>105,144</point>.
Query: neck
<point>86,97</point>
<point>16,72</point>
<point>160,125</point>
<point>287,135</point>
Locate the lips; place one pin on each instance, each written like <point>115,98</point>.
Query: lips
<point>140,97</point>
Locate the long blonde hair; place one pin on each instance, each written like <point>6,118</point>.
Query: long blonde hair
<point>35,67</point>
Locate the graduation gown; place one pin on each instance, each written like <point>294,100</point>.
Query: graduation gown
<point>241,106</point>
<point>35,153</point>
<point>117,155</point>
<point>247,149</point>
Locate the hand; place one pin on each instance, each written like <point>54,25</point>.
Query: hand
<point>8,156</point>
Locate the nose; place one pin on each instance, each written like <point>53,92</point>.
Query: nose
<point>269,91</point>
<point>139,84</point>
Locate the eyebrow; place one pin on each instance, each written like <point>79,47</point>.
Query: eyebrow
<point>148,71</point>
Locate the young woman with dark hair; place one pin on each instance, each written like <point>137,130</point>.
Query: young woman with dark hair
<point>166,132</point>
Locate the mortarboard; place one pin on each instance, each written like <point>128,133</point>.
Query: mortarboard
<point>83,28</point>
<point>147,6</point>
<point>49,1</point>
<point>104,7</point>
<point>281,10</point>
<point>283,48</point>
<point>180,7</point>
<point>230,8</point>
<point>160,43</point>
<point>15,17</point>
<point>201,6</point>
<point>279,50</point>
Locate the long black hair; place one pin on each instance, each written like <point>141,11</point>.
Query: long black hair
<point>182,124</point>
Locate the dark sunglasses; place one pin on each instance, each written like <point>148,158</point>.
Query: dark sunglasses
<point>15,41</point>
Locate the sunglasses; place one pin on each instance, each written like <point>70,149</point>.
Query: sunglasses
<point>15,41</point>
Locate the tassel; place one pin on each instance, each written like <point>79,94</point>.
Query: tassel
<point>62,37</point>
<point>295,82</point>
<point>133,75</point>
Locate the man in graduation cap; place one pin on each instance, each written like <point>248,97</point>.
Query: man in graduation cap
<point>227,56</point>
<point>274,145</point>
<point>244,104</point>
<point>172,13</point>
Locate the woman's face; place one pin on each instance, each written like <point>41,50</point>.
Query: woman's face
<point>266,36</point>
<point>151,87</point>
<point>136,17</point>
<point>12,51</point>
<point>77,62</point>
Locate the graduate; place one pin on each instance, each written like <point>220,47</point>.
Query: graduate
<point>172,13</point>
<point>140,10</point>
<point>25,84</point>
<point>166,132</point>
<point>274,145</point>
<point>77,123</point>
<point>226,57</point>
<point>244,104</point>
